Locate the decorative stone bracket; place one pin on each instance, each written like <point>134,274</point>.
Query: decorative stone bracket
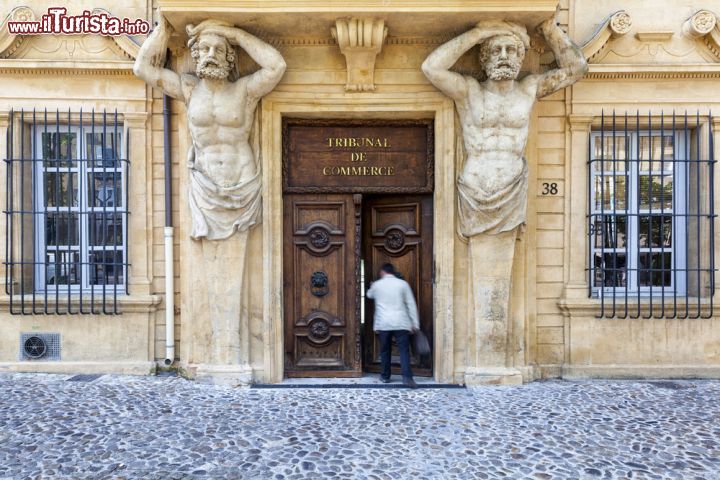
<point>617,24</point>
<point>360,40</point>
<point>703,25</point>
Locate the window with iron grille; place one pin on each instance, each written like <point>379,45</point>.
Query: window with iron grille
<point>66,244</point>
<point>651,216</point>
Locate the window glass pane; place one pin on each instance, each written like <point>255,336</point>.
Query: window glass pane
<point>106,267</point>
<point>61,228</point>
<point>610,231</point>
<point>103,148</point>
<point>105,189</point>
<point>62,267</point>
<point>614,153</point>
<point>105,229</point>
<point>656,191</point>
<point>61,189</point>
<point>610,192</point>
<point>610,269</point>
<point>58,149</point>
<point>655,269</point>
<point>656,153</point>
<point>655,231</point>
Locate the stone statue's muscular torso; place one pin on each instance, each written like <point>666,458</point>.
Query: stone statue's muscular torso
<point>220,123</point>
<point>495,130</point>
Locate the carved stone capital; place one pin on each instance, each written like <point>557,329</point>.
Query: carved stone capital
<point>579,123</point>
<point>360,40</point>
<point>136,119</point>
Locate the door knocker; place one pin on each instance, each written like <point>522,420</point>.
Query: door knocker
<point>319,284</point>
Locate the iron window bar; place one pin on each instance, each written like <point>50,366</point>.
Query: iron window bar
<point>66,249</point>
<point>676,219</point>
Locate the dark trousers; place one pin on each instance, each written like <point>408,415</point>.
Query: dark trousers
<point>402,337</point>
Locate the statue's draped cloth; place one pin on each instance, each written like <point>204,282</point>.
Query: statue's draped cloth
<point>217,212</point>
<point>492,212</point>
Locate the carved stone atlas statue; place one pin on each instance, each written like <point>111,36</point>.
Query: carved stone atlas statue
<point>493,183</point>
<point>225,179</point>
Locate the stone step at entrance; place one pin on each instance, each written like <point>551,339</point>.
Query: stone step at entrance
<point>366,381</point>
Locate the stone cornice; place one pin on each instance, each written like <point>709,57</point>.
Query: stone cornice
<point>653,71</point>
<point>53,67</point>
<point>323,41</point>
<point>345,6</point>
<point>412,18</point>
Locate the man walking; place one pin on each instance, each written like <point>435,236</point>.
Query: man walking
<point>395,315</point>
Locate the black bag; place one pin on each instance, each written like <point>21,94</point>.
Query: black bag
<point>420,344</point>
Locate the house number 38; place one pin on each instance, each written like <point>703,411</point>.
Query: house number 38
<point>549,188</point>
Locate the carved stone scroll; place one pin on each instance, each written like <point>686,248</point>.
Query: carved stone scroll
<point>8,41</point>
<point>617,24</point>
<point>703,25</point>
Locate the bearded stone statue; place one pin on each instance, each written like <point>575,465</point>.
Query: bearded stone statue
<point>492,186</point>
<point>225,175</point>
<point>224,184</point>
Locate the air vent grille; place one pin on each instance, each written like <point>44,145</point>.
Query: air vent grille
<point>39,346</point>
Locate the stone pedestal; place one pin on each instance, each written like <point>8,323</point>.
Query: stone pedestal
<point>493,376</point>
<point>491,261</point>
<point>232,375</point>
<point>218,312</point>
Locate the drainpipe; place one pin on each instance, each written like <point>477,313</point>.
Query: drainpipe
<point>169,235</point>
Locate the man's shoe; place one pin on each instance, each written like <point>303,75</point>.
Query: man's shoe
<point>385,379</point>
<point>409,382</point>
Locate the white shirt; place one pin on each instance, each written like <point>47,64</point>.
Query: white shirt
<point>395,307</point>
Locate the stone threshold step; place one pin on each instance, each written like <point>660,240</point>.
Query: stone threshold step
<point>354,385</point>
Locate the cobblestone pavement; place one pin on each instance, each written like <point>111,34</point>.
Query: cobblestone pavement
<point>157,428</point>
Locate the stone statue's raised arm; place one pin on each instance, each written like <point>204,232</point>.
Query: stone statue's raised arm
<point>272,64</point>
<point>569,57</point>
<point>436,66</point>
<point>149,64</point>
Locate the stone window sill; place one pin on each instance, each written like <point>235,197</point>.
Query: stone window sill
<point>126,303</point>
<point>593,307</point>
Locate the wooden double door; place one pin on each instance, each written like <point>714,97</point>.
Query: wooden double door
<point>329,240</point>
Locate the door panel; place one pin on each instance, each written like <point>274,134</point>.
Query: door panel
<point>320,255</point>
<point>398,229</point>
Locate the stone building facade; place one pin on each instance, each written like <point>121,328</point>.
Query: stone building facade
<point>613,272</point>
